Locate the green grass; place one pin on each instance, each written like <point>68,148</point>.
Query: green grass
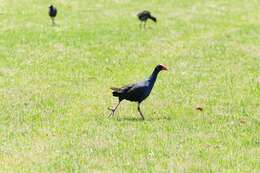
<point>54,86</point>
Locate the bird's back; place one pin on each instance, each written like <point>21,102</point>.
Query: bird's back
<point>144,15</point>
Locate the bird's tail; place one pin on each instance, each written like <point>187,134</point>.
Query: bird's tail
<point>115,92</point>
<point>153,18</point>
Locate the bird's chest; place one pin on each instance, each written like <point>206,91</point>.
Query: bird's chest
<point>52,13</point>
<point>145,93</point>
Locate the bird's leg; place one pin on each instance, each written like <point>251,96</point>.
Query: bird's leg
<point>144,24</point>
<point>139,110</point>
<point>52,19</point>
<point>113,110</point>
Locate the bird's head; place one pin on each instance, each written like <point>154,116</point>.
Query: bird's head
<point>161,67</point>
<point>51,6</point>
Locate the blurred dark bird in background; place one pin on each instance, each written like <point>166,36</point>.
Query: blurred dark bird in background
<point>144,16</point>
<point>52,13</point>
<point>199,108</point>
<point>137,92</point>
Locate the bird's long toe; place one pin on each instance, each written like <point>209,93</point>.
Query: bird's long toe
<point>112,112</point>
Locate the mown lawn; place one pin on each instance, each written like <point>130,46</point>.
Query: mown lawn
<point>54,86</point>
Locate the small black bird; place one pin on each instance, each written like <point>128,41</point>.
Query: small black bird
<point>137,92</point>
<point>52,13</point>
<point>144,16</point>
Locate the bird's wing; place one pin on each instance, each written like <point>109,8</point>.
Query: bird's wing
<point>138,90</point>
<point>123,89</point>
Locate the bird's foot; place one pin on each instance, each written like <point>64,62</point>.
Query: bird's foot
<point>112,111</point>
<point>142,117</point>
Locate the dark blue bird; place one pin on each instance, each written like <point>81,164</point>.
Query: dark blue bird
<point>137,92</point>
<point>144,16</point>
<point>52,13</point>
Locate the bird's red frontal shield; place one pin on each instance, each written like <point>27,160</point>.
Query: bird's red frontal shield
<point>164,67</point>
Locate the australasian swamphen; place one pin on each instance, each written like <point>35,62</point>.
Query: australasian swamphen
<point>52,13</point>
<point>144,16</point>
<point>137,92</point>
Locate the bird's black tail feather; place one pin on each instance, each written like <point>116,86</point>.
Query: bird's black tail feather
<point>115,91</point>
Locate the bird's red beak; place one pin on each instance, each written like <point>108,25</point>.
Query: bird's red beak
<point>164,67</point>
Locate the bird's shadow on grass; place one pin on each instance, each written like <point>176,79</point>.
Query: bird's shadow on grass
<point>148,28</point>
<point>55,25</point>
<point>137,119</point>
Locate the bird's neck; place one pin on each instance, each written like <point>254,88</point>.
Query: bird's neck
<point>153,18</point>
<point>153,76</point>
